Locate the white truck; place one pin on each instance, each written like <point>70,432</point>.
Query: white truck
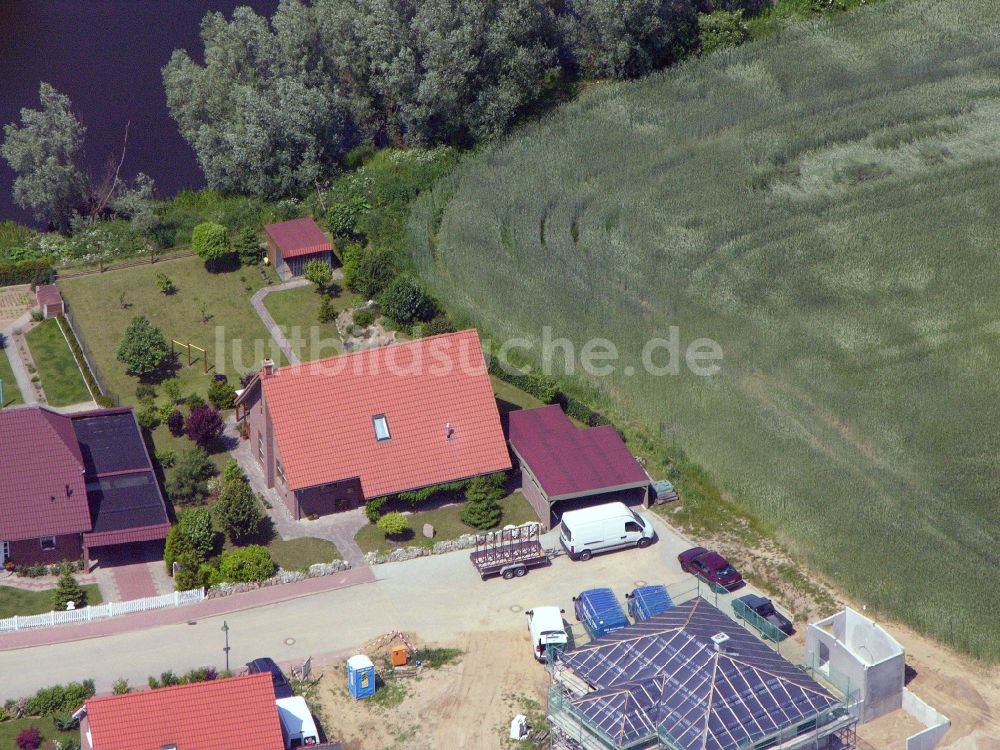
<point>297,723</point>
<point>546,626</point>
<point>602,528</point>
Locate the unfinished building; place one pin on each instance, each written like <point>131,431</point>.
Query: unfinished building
<point>691,679</point>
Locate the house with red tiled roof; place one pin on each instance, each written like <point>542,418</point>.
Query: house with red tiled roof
<point>75,485</point>
<point>237,713</point>
<point>561,464</point>
<point>333,433</point>
<point>292,244</point>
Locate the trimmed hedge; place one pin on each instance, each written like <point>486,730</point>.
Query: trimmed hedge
<point>74,346</point>
<point>59,699</point>
<point>35,271</point>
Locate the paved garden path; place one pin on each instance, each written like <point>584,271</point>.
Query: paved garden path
<point>338,528</point>
<point>269,323</point>
<point>13,351</point>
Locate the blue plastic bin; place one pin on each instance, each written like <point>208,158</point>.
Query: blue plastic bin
<point>600,612</point>
<point>646,601</point>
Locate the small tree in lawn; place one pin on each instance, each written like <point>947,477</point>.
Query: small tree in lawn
<point>247,245</point>
<point>204,425</point>
<point>143,348</point>
<point>393,524</point>
<point>68,590</point>
<point>405,302</point>
<point>482,509</point>
<point>187,484</point>
<point>239,512</point>
<point>175,423</point>
<point>211,242</point>
<point>319,273</point>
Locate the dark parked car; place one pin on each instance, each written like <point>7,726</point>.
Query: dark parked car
<point>282,688</point>
<point>711,567</point>
<point>765,610</point>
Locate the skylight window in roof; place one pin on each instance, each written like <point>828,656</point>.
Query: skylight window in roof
<point>381,427</point>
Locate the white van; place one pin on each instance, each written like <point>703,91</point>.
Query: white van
<point>601,528</point>
<point>297,723</point>
<point>545,624</point>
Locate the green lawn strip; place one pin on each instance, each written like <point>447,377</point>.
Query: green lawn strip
<point>297,554</point>
<point>446,523</point>
<point>11,393</point>
<point>10,729</point>
<point>297,311</point>
<point>60,375</point>
<point>22,603</point>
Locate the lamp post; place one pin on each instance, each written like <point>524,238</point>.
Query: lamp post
<point>225,629</point>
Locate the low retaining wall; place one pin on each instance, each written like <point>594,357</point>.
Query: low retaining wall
<point>466,541</point>
<point>282,576</point>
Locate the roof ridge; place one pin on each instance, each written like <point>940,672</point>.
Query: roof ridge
<point>174,688</point>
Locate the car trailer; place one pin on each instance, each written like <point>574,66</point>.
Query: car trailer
<point>509,552</point>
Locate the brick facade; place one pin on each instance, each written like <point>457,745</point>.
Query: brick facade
<point>30,552</point>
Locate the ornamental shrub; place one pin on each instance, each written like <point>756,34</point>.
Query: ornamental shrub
<point>148,417</point>
<point>204,425</point>
<point>59,699</point>
<point>247,245</point>
<point>247,564</point>
<point>121,687</point>
<point>68,590</point>
<point>486,489</point>
<point>29,739</point>
<point>373,508</point>
<point>405,301</point>
<point>221,394</point>
<point>187,484</point>
<point>175,423</point>
<point>232,472</point>
<point>393,524</point>
<point>481,514</point>
<point>319,273</point>
<point>211,243</point>
<point>363,317</point>
<point>196,525</point>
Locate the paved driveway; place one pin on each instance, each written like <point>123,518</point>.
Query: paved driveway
<point>132,571</point>
<point>438,597</point>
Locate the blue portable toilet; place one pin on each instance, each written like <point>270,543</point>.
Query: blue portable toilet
<point>646,601</point>
<point>360,677</point>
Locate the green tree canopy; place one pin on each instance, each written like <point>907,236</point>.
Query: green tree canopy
<point>196,526</point>
<point>405,300</point>
<point>68,590</point>
<point>143,348</point>
<point>211,242</point>
<point>44,151</point>
<point>247,564</point>
<point>319,273</point>
<point>239,512</point>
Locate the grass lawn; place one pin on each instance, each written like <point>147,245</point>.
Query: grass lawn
<point>234,337</point>
<point>10,729</point>
<point>295,554</point>
<point>18,602</point>
<point>296,311</point>
<point>60,375</point>
<point>446,523</point>
<point>11,393</point>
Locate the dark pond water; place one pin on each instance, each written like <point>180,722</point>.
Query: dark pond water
<point>106,55</point>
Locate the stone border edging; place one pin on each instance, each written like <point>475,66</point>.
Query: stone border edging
<point>316,570</point>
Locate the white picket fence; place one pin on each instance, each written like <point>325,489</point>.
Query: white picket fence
<point>101,611</point>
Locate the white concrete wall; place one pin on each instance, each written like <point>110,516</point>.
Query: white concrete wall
<point>937,723</point>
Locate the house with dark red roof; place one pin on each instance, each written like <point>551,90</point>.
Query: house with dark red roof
<point>73,485</point>
<point>333,433</point>
<point>237,713</point>
<point>560,463</point>
<point>292,244</point>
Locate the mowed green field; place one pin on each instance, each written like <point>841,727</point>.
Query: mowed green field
<point>824,205</point>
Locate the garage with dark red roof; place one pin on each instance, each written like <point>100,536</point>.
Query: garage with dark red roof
<point>561,463</point>
<point>292,244</point>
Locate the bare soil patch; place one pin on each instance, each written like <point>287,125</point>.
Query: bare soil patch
<point>466,703</point>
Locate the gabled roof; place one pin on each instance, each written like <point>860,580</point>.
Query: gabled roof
<point>438,404</point>
<point>42,489</point>
<point>298,237</point>
<point>666,675</point>
<point>568,462</point>
<point>230,714</point>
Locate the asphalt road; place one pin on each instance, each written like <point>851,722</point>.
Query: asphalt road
<point>436,597</point>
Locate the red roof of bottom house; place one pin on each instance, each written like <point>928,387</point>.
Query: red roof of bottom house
<point>42,488</point>
<point>568,462</point>
<point>395,417</point>
<point>230,714</point>
<point>298,237</point>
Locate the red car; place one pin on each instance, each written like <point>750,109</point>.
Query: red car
<point>711,567</point>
